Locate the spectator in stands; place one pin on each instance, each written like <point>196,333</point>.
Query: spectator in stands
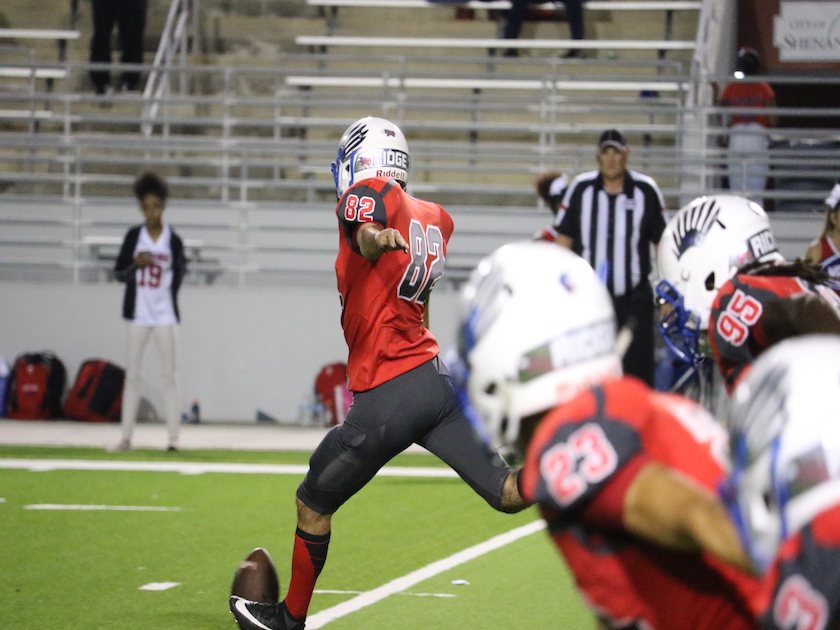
<point>130,19</point>
<point>612,217</point>
<point>152,265</point>
<point>748,137</point>
<point>515,17</point>
<point>825,250</point>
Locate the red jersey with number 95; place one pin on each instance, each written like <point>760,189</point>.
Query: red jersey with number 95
<point>579,466</point>
<point>735,331</point>
<point>382,300</point>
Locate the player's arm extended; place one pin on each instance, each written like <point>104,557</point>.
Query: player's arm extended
<point>670,509</point>
<point>374,240</point>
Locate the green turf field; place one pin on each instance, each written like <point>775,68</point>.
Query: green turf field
<point>84,569</point>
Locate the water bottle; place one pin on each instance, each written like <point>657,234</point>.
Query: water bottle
<point>4,379</point>
<point>195,413</point>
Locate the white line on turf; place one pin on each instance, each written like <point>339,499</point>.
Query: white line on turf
<point>322,618</point>
<point>158,586</point>
<point>337,592</point>
<point>117,508</point>
<point>198,468</point>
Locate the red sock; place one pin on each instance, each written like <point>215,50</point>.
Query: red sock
<point>308,559</point>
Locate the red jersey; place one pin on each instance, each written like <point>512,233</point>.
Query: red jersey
<point>382,300</point>
<point>802,589</point>
<point>580,463</point>
<point>735,331</point>
<point>756,95</point>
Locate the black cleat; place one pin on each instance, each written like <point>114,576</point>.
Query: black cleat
<point>255,616</point>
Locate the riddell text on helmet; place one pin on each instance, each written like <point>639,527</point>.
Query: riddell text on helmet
<point>390,173</point>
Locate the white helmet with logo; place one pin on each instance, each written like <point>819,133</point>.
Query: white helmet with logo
<point>785,442</point>
<point>370,147</point>
<point>536,327</point>
<point>707,242</point>
<point>704,244</point>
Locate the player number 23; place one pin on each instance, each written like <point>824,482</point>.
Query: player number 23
<point>569,467</point>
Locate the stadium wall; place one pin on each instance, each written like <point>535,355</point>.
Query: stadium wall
<point>241,350</point>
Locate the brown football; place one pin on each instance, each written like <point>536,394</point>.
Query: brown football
<point>256,578</point>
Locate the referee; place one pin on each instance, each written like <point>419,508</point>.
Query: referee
<point>611,217</point>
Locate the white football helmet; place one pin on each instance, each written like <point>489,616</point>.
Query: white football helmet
<point>785,442</point>
<point>371,147</point>
<point>704,244</point>
<point>536,327</point>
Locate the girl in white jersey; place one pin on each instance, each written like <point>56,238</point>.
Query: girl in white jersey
<point>152,264</point>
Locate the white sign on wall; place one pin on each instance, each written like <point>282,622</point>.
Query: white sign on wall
<point>807,31</point>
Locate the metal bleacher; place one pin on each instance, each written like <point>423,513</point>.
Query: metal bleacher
<point>246,148</point>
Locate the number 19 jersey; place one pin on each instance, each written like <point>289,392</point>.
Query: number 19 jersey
<point>382,300</point>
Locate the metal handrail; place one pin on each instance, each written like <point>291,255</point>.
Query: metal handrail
<point>174,41</point>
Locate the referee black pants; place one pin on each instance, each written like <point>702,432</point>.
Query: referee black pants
<point>635,310</point>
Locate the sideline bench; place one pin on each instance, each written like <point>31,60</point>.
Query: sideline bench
<point>61,36</point>
<point>104,249</point>
<point>444,42</point>
<point>668,6</point>
<point>480,84</point>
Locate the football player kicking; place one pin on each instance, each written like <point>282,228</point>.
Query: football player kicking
<point>392,249</point>
<point>624,476</point>
<point>785,482</point>
<point>720,271</point>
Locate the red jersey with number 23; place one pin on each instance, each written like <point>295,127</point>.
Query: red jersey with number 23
<point>382,300</point>
<point>735,331</point>
<point>579,466</point>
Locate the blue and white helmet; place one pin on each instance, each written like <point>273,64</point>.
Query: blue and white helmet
<point>371,147</point>
<point>785,442</point>
<point>704,244</point>
<point>536,327</point>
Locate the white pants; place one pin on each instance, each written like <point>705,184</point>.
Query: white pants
<point>748,144</point>
<point>165,339</point>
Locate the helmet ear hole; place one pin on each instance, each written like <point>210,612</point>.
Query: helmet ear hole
<point>710,281</point>
<point>490,389</point>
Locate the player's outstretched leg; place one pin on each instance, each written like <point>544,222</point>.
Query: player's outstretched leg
<point>256,616</point>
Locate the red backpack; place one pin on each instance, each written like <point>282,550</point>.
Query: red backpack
<point>36,387</point>
<point>96,396</point>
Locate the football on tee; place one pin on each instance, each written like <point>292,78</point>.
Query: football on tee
<point>256,578</point>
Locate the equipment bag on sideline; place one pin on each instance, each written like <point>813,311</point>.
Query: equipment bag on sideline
<point>332,393</point>
<point>36,386</point>
<point>96,395</point>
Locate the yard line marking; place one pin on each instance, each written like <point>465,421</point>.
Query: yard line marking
<point>322,618</point>
<point>338,592</point>
<point>198,468</point>
<point>158,586</point>
<point>117,508</point>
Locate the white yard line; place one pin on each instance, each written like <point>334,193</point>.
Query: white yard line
<point>322,618</point>
<point>89,508</point>
<point>199,468</point>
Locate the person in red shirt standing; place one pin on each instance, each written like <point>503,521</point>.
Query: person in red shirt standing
<point>392,250</point>
<point>624,476</point>
<point>784,490</point>
<point>748,137</point>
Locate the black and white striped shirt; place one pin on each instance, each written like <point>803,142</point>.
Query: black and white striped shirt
<point>613,232</point>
